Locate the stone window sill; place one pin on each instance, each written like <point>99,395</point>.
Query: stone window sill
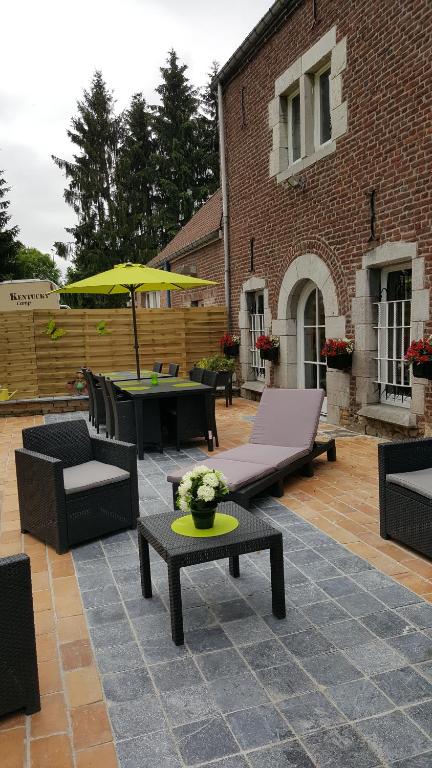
<point>305,162</point>
<point>392,414</point>
<point>253,386</point>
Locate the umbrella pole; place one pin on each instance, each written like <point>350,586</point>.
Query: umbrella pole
<point>136,345</point>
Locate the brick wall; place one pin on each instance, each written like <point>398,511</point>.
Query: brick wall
<point>387,148</point>
<point>209,263</point>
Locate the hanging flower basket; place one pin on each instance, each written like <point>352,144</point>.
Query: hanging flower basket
<point>232,351</point>
<point>268,347</point>
<point>338,353</point>
<point>230,345</point>
<point>419,355</point>
<point>270,354</point>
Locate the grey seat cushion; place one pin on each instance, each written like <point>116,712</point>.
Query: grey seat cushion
<point>419,481</point>
<point>91,474</point>
<point>237,473</point>
<point>276,455</point>
<point>288,417</point>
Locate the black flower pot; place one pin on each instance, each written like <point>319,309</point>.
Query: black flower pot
<point>232,351</point>
<point>270,354</point>
<point>203,518</point>
<point>340,362</point>
<point>422,370</point>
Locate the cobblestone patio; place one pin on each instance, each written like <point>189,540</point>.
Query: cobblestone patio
<point>344,681</point>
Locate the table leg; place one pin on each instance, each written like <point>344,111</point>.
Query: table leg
<point>139,426</point>
<point>277,580</point>
<point>175,599</point>
<point>144,558</point>
<point>234,566</point>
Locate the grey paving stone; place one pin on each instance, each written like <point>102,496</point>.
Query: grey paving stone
<point>304,594</point>
<point>419,614</point>
<point>294,576</point>
<point>251,583</point>
<point>148,751</point>
<point>198,617</point>
<point>373,579</point>
<point>340,586</point>
<point>346,634</point>
<point>294,621</point>
<point>285,680</point>
<point>101,596</point>
<point>289,755</point>
<point>162,648</point>
<point>127,686</point>
<point>118,658</point>
<point>92,551</point>
<point>394,736</point>
<point>191,597</point>
<point>131,718</point>
<point>232,693</point>
<point>175,674</point>
<point>331,668</point>
<point>151,626</point>
<point>352,564</point>
<point>404,686</point>
<point>421,761</point>
<point>375,657</point>
<point>268,653</point>
<point>208,639</point>
<point>321,569</point>
<point>261,602</point>
<point>221,664</point>
<point>324,613</point>
<point>387,624</point>
<point>308,643</point>
<point>302,557</point>
<point>185,705</point>
<point>94,574</point>
<point>360,604</point>
<point>223,592</point>
<point>232,610</point>
<point>107,635</point>
<point>415,647</point>
<point>234,761</point>
<point>206,576</point>
<point>142,607</point>
<point>204,740</point>
<point>107,614</point>
<point>249,629</point>
<point>359,698</point>
<point>422,716</point>
<point>340,748</point>
<point>258,726</point>
<point>396,596</point>
<point>309,712</point>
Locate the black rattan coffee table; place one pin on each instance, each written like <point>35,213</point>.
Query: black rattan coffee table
<point>178,551</point>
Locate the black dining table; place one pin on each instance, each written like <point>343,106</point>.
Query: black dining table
<point>128,375</point>
<point>147,412</point>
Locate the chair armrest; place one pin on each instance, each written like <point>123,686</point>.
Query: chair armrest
<point>41,496</point>
<point>406,456</point>
<point>121,455</point>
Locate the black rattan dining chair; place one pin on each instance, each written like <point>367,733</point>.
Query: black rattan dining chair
<point>210,378</point>
<point>123,415</point>
<point>19,681</point>
<point>173,369</point>
<point>109,415</point>
<point>99,416</point>
<point>157,367</point>
<point>91,393</point>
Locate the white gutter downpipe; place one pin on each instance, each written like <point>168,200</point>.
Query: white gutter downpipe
<point>224,188</point>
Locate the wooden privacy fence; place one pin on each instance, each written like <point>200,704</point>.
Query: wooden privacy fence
<point>36,366</point>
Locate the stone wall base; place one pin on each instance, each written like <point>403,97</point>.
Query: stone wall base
<point>376,428</point>
<point>34,407</point>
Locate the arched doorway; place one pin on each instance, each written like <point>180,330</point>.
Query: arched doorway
<point>311,367</point>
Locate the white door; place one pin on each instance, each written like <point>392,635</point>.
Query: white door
<point>311,366</point>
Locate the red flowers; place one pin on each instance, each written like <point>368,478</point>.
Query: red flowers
<point>419,351</point>
<point>334,347</point>
<point>228,340</point>
<point>267,342</point>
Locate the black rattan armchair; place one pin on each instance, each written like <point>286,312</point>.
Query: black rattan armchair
<point>405,493</point>
<point>73,487</point>
<point>19,682</point>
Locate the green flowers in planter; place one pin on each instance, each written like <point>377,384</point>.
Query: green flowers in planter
<point>216,363</point>
<point>52,331</point>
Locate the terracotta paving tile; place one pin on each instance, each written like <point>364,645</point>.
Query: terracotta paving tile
<point>49,676</point>
<point>72,628</point>
<point>67,598</point>
<point>40,581</point>
<point>11,721</point>
<point>51,752</point>
<point>44,622</point>
<point>83,686</point>
<point>42,600</point>
<point>103,756</point>
<point>60,568</point>
<point>46,646</point>
<point>90,725</point>
<point>12,748</point>
<point>76,654</point>
<point>416,583</point>
<point>52,718</point>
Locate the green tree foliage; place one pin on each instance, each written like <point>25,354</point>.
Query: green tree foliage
<point>32,264</point>
<point>9,245</point>
<point>209,133</point>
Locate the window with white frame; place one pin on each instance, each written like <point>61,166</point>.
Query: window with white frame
<point>255,304</point>
<point>322,113</point>
<point>294,136</point>
<point>394,335</point>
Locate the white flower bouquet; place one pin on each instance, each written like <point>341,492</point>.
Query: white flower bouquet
<point>199,493</point>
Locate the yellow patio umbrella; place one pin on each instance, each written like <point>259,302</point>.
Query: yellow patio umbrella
<point>130,278</point>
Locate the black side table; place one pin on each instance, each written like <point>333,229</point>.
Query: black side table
<point>252,534</point>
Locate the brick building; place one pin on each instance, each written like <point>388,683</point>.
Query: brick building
<point>326,117</point>
<point>197,250</point>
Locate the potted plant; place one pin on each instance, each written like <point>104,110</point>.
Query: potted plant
<point>419,355</point>
<point>199,493</point>
<point>268,347</point>
<point>230,345</point>
<point>77,386</point>
<point>339,353</point>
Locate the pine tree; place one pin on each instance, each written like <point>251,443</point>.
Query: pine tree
<point>209,129</point>
<point>9,245</point>
<point>135,185</point>
<point>178,153</point>
<point>96,132</point>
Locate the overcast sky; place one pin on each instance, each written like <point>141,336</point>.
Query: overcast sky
<point>50,49</point>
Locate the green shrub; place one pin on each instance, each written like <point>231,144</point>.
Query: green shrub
<point>216,363</point>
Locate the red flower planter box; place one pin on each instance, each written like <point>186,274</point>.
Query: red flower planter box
<point>340,362</point>
<point>422,370</point>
